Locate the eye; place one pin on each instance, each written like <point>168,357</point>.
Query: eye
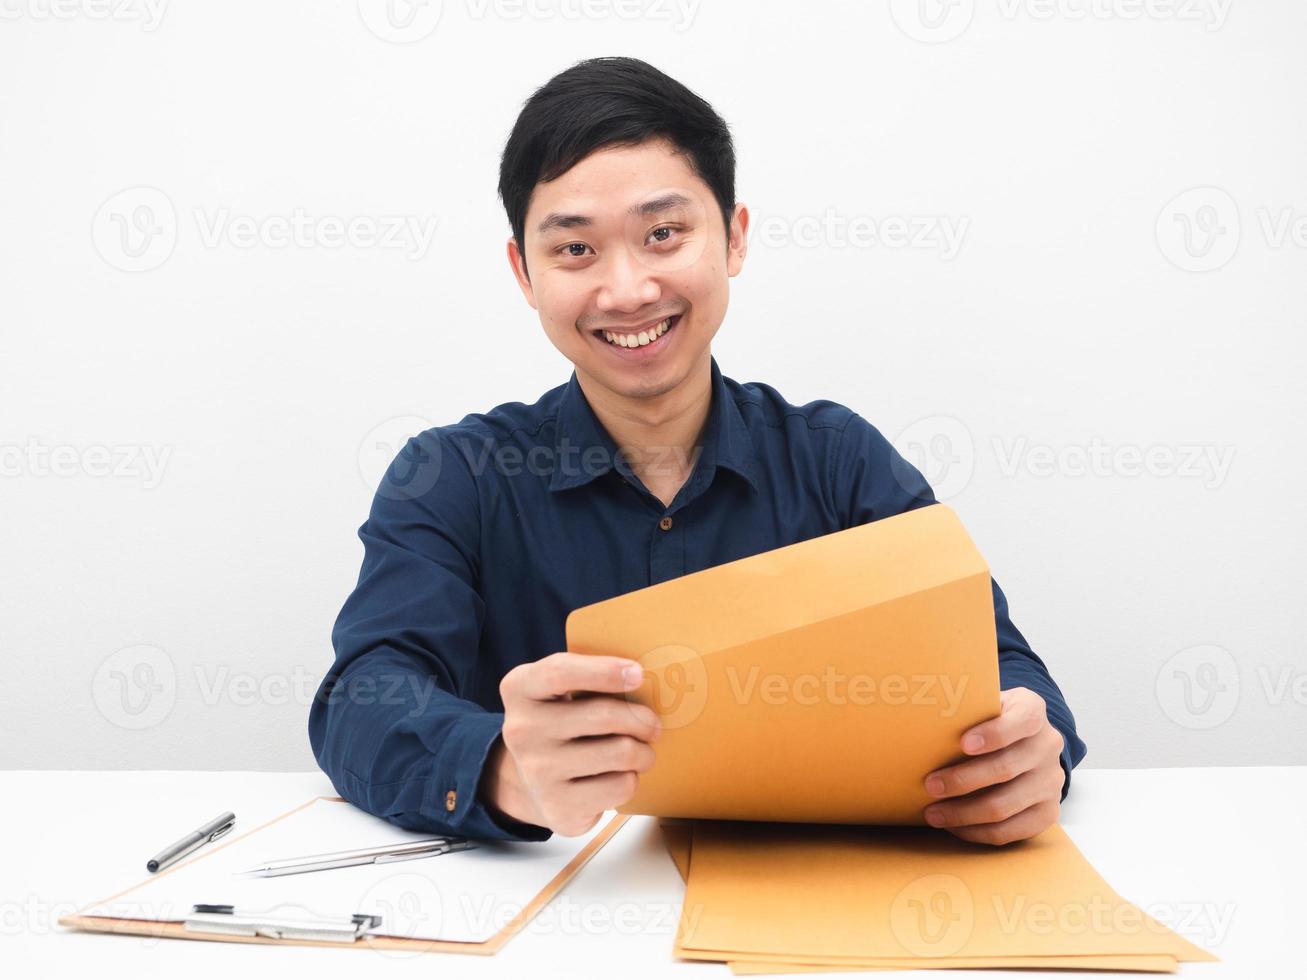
<point>568,250</point>
<point>669,229</point>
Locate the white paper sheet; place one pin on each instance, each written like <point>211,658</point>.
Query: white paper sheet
<point>465,896</point>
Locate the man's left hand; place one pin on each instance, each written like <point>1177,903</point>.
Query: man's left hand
<point>1012,789</point>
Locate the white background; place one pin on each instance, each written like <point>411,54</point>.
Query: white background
<point>1126,184</point>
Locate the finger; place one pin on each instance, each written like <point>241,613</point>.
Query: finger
<point>595,794</point>
<point>1029,822</point>
<point>989,805</point>
<point>575,826</point>
<point>558,674</point>
<point>1021,715</point>
<point>610,753</point>
<point>603,714</point>
<point>986,770</point>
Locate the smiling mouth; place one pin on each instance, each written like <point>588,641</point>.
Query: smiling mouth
<point>640,338</point>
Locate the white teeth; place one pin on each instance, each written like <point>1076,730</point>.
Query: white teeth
<point>642,339</point>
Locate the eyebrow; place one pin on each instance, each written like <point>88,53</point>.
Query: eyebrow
<point>653,206</point>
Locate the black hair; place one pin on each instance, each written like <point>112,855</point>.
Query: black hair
<point>602,102</point>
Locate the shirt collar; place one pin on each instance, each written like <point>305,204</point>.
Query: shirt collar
<point>727,442</point>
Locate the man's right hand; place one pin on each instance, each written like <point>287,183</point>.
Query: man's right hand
<point>563,761</point>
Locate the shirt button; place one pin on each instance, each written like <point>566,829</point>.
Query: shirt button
<point>665,524</point>
<point>451,801</point>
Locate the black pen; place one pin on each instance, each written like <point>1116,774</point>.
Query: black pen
<point>211,831</point>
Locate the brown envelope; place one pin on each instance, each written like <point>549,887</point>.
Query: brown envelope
<point>678,836</point>
<point>817,682</point>
<point>860,896</point>
<point>1137,964</point>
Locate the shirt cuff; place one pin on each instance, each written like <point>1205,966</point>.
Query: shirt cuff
<point>1065,759</point>
<point>452,792</point>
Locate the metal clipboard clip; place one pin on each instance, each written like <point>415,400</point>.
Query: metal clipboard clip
<point>226,921</point>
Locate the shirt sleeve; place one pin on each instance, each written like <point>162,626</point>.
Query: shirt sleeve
<point>388,725</point>
<point>871,480</point>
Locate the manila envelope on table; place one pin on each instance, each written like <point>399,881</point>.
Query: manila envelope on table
<point>858,898</point>
<point>816,682</point>
<point>678,835</point>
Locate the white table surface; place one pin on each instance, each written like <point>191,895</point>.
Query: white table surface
<point>1223,852</point>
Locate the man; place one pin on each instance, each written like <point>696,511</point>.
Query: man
<point>449,707</point>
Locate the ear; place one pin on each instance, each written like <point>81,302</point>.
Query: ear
<point>518,264</point>
<point>738,244</point>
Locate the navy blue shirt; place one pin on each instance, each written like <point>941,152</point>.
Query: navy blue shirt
<point>485,534</point>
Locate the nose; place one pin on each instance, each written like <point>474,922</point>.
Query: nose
<point>627,285</point>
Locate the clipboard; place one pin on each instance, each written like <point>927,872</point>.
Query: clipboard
<point>300,925</point>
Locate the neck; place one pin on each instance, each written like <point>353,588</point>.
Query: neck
<point>660,436</point>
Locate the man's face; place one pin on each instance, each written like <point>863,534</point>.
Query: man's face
<point>626,239</point>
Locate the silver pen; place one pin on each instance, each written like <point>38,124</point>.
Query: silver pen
<point>430,847</point>
<point>211,831</point>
